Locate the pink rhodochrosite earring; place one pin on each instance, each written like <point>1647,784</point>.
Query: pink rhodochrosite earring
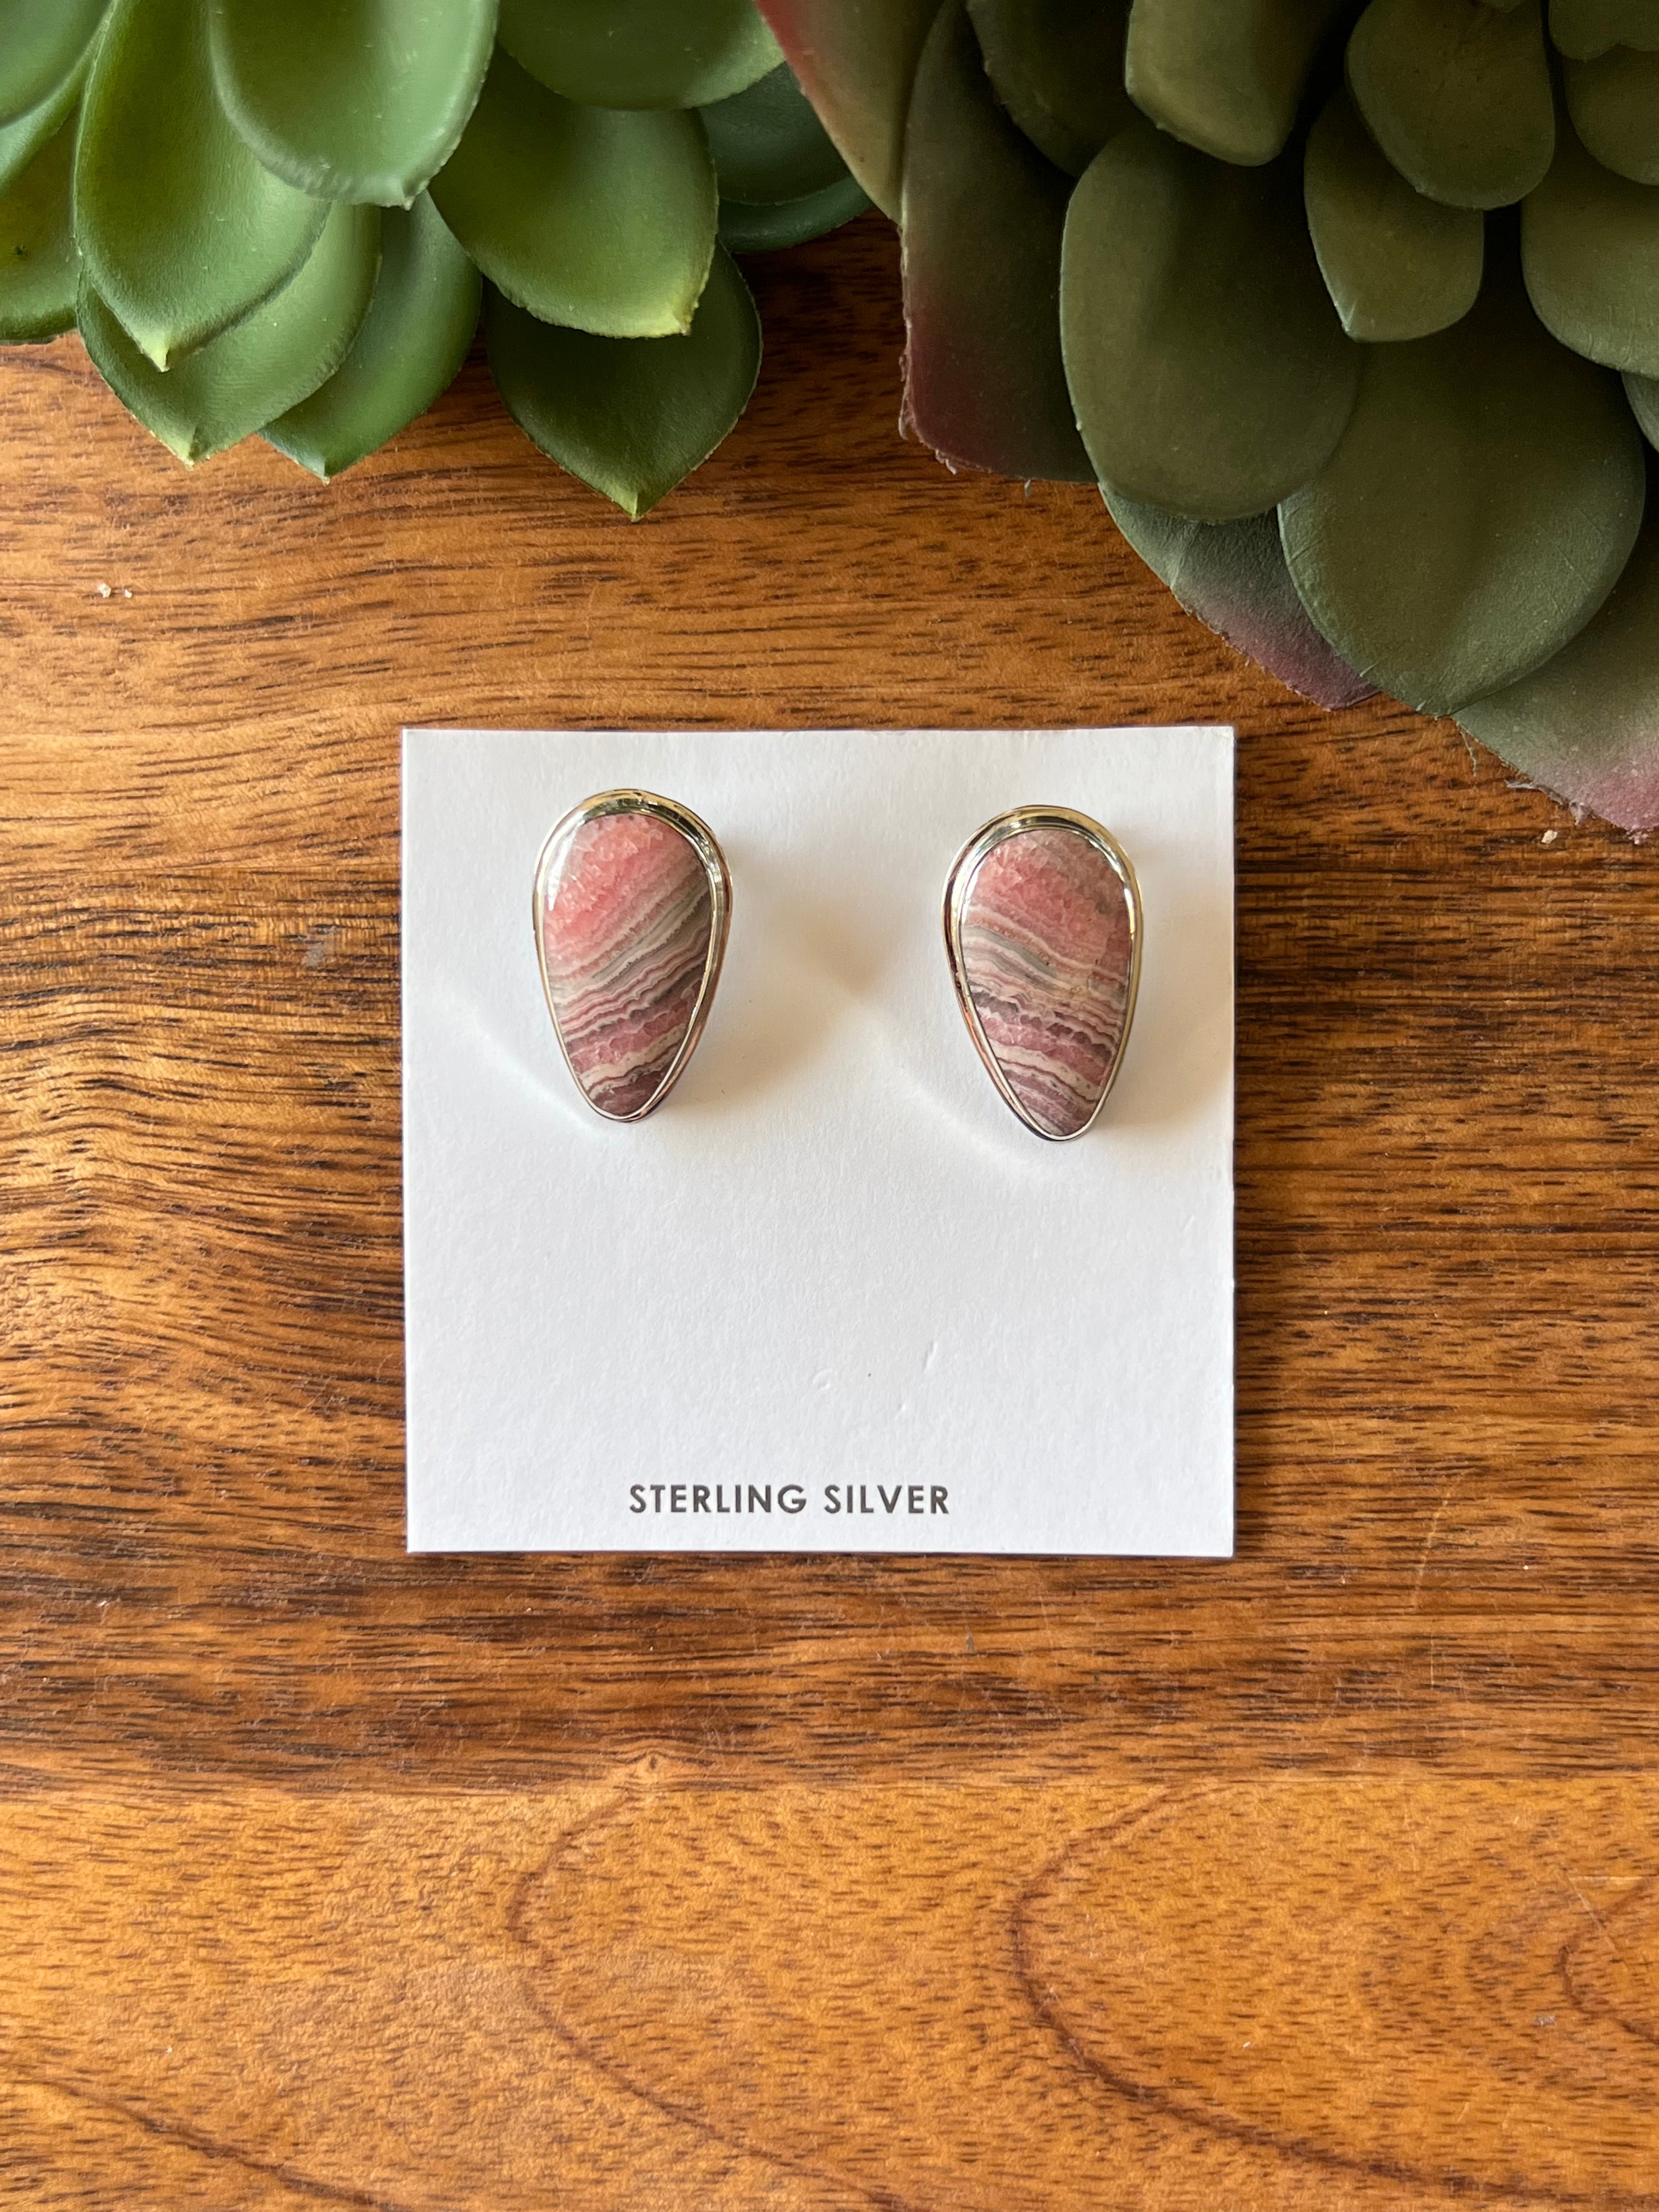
<point>633,902</point>
<point>1043,927</point>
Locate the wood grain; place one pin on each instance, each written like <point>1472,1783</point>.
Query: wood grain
<point>1321,1994</point>
<point>786,1882</point>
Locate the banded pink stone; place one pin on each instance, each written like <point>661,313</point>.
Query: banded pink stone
<point>625,923</point>
<point>1046,950</point>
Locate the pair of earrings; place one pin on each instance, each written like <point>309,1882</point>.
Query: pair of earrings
<point>633,902</point>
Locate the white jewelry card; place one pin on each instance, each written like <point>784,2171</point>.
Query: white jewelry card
<point>832,1296</point>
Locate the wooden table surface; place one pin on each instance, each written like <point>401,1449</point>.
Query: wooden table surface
<point>1327,1878</point>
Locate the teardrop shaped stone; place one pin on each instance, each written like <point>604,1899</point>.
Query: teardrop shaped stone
<point>625,931</point>
<point>1046,954</point>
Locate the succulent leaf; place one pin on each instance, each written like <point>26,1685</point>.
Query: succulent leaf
<point>1457,94</point>
<point>630,417</point>
<point>602,218</point>
<point>1643,393</point>
<point>1397,265</point>
<point>182,228</point>
<point>406,354</point>
<point>1208,369</point>
<point>351,100</point>
<point>1057,67</point>
<point>749,227</point>
<point>41,44</point>
<point>1225,76</point>
<point>1584,29</point>
<point>857,61</point>
<point>1614,102</point>
<point>27,134</point>
<point>640,53</point>
<point>1454,507</point>
<point>261,366</point>
<point>1232,576</point>
<point>1483,499</point>
<point>768,145</point>
<point>1590,249</point>
<point>984,213</point>
<point>1586,724</point>
<point>39,268</point>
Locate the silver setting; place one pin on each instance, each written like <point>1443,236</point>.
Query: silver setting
<point>704,843</point>
<point>958,886</point>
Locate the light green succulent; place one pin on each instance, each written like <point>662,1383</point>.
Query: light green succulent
<point>283,219</point>
<point>1350,307</point>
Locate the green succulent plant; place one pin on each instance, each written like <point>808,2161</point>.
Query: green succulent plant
<point>1350,307</point>
<point>284,220</point>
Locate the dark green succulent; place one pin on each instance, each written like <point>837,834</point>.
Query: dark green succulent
<point>1350,307</point>
<point>283,219</point>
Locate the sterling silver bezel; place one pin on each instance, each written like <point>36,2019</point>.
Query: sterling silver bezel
<point>958,886</point>
<point>704,843</point>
